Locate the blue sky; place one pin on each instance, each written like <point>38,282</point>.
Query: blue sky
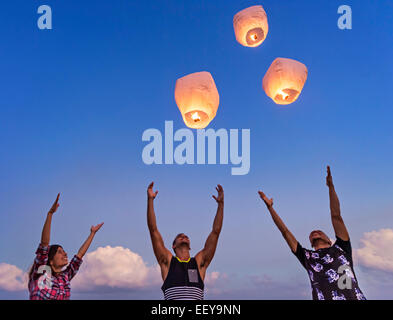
<point>75,100</point>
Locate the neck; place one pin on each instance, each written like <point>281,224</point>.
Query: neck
<point>319,244</point>
<point>56,269</point>
<point>183,253</point>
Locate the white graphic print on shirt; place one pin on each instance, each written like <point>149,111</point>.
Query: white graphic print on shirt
<point>327,259</point>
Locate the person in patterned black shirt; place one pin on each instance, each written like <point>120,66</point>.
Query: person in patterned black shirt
<point>329,266</point>
<point>48,280</point>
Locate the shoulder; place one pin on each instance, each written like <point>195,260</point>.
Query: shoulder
<point>343,245</point>
<point>199,259</point>
<point>302,254</point>
<point>76,260</point>
<point>300,250</point>
<point>167,260</point>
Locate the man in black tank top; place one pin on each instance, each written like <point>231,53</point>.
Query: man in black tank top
<point>329,266</point>
<point>182,274</point>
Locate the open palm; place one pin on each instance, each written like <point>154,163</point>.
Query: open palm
<point>150,193</point>
<point>329,178</point>
<point>55,205</point>
<point>220,196</point>
<point>94,229</point>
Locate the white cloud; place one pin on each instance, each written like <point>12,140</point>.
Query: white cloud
<point>110,267</point>
<point>214,283</point>
<point>377,250</point>
<point>212,277</point>
<point>12,278</point>
<point>115,267</point>
<point>107,267</point>
<point>118,267</point>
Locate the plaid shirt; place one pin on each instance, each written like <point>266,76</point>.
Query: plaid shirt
<point>42,286</point>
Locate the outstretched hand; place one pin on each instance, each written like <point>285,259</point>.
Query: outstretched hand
<point>329,178</point>
<point>94,229</point>
<point>220,196</point>
<point>150,193</point>
<point>268,202</point>
<point>55,205</point>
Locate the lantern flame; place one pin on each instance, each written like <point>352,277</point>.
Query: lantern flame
<point>283,94</point>
<point>195,116</point>
<point>254,37</point>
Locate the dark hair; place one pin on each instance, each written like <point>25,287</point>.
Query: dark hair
<point>174,241</point>
<point>51,254</point>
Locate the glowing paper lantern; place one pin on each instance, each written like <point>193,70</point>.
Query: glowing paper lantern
<point>197,97</point>
<point>284,80</point>
<point>251,26</point>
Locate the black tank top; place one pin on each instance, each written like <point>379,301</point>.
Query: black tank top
<point>183,281</point>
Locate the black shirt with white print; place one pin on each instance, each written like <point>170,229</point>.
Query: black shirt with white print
<point>331,271</point>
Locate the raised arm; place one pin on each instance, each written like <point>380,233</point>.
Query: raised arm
<point>288,236</point>
<point>45,236</point>
<point>85,246</point>
<point>205,256</point>
<point>337,221</point>
<point>163,255</point>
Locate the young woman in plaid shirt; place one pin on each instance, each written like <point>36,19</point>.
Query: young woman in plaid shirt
<point>47,279</point>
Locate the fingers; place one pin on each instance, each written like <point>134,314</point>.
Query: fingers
<point>55,204</point>
<point>150,185</point>
<point>328,171</point>
<point>268,201</point>
<point>97,227</point>
<point>220,196</point>
<point>57,200</point>
<point>155,195</point>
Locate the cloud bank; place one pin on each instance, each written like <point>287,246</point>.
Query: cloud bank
<point>107,269</point>
<point>115,267</point>
<point>377,250</point>
<point>12,278</point>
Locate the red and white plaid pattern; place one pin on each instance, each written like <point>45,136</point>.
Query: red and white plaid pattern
<point>58,286</point>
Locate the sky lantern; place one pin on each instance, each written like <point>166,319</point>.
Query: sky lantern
<point>284,80</point>
<point>251,26</point>
<point>197,97</point>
